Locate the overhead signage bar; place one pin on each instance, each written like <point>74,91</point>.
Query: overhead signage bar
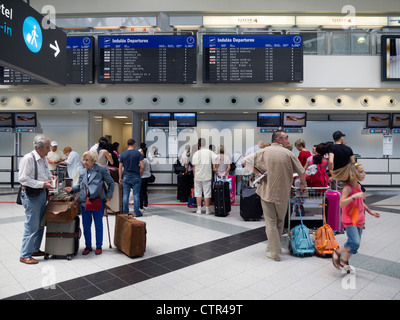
<point>29,48</point>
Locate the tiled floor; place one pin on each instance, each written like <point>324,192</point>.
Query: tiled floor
<point>203,257</point>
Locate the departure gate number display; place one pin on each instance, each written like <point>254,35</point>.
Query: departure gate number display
<point>147,59</point>
<point>252,58</point>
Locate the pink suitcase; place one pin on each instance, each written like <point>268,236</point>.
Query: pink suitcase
<point>334,212</point>
<point>232,191</point>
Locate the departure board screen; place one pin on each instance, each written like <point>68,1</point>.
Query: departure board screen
<point>147,59</point>
<point>10,77</point>
<point>80,51</point>
<point>252,58</point>
<point>80,70</point>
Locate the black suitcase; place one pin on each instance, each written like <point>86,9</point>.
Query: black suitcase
<point>185,184</point>
<point>250,204</point>
<point>222,198</point>
<point>62,239</point>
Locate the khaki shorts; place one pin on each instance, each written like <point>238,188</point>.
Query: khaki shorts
<point>202,187</point>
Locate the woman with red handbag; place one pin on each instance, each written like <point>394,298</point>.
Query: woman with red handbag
<point>92,193</point>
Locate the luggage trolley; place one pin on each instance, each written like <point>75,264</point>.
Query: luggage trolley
<point>305,210</point>
<point>310,203</point>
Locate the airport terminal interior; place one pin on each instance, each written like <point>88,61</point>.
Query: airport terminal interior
<point>228,71</point>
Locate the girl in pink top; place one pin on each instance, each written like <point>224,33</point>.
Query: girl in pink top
<point>353,217</point>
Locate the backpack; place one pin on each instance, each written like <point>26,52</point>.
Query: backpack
<point>319,179</point>
<point>300,240</point>
<point>325,241</point>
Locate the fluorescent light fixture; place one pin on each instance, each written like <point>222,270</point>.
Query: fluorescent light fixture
<point>341,21</point>
<point>248,21</point>
<point>120,117</point>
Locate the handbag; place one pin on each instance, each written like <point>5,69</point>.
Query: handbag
<point>152,178</point>
<point>93,204</point>
<point>30,192</point>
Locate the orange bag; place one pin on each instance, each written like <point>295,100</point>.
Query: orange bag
<point>325,241</point>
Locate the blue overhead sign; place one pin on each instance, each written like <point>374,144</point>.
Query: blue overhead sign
<point>253,41</point>
<point>147,42</point>
<point>27,46</point>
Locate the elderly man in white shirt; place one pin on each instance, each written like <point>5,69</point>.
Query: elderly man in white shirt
<point>34,177</point>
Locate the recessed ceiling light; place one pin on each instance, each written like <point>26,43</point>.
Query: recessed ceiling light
<point>120,117</point>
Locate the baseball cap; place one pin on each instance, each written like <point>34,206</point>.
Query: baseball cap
<point>54,143</point>
<point>337,135</point>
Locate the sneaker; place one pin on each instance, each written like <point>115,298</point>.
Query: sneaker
<point>87,250</point>
<point>208,210</point>
<point>98,251</point>
<point>145,208</point>
<point>198,211</point>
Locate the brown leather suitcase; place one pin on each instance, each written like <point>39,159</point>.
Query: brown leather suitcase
<point>61,211</point>
<point>130,235</point>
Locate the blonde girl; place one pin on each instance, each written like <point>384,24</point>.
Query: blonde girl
<point>353,217</point>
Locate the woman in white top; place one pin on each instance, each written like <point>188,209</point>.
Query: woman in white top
<point>223,164</point>
<point>104,157</point>
<point>73,163</point>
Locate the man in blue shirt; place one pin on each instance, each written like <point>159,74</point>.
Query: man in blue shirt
<point>131,166</point>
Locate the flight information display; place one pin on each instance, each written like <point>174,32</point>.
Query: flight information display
<point>80,51</point>
<point>10,77</point>
<point>80,70</point>
<point>252,58</point>
<point>147,59</point>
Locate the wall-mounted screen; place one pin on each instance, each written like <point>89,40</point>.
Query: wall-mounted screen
<point>147,59</point>
<point>159,119</point>
<point>378,120</point>
<point>390,56</point>
<point>25,119</point>
<point>185,119</point>
<point>80,53</point>
<point>294,119</point>
<point>252,58</point>
<point>269,119</point>
<point>396,120</point>
<point>6,119</point>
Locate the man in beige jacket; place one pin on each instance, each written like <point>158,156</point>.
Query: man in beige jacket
<point>274,189</point>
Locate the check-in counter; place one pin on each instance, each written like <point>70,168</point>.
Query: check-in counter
<point>162,168</point>
<point>381,172</point>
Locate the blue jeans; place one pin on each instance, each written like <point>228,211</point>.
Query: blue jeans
<point>87,217</point>
<point>128,184</point>
<point>33,234</point>
<point>353,238</point>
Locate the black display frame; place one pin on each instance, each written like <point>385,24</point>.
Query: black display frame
<point>180,125</point>
<point>301,113</point>
<point>16,123</point>
<point>385,51</point>
<point>3,125</point>
<point>392,123</point>
<point>368,120</point>
<point>152,118</point>
<point>261,125</point>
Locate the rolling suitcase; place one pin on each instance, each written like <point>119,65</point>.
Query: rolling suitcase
<point>62,239</point>
<point>115,204</point>
<point>333,211</point>
<point>130,235</point>
<point>250,204</point>
<point>185,183</point>
<point>222,199</point>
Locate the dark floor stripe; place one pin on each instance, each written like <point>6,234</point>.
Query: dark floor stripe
<point>99,283</point>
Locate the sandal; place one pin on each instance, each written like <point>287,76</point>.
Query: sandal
<point>343,263</point>
<point>336,260</point>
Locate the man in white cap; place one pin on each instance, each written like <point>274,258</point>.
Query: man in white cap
<point>54,157</point>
